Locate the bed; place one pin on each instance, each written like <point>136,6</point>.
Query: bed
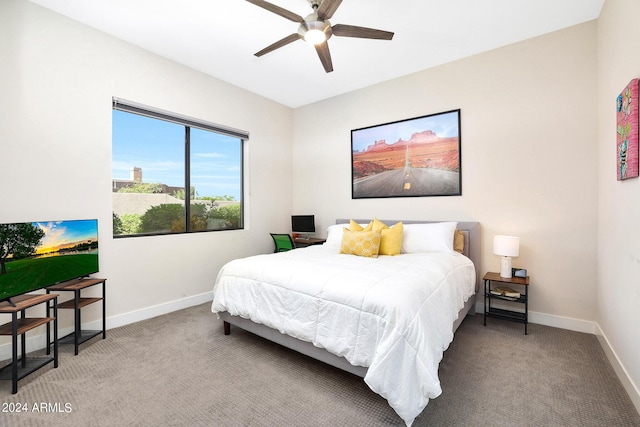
<point>375,317</point>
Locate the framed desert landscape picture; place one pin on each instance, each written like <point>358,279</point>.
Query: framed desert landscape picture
<point>409,158</point>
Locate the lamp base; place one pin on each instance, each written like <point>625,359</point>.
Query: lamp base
<point>505,267</point>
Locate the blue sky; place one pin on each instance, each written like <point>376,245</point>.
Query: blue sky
<point>61,233</point>
<point>157,147</point>
<point>444,125</point>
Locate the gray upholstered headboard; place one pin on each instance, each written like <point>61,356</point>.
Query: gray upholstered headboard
<point>470,230</point>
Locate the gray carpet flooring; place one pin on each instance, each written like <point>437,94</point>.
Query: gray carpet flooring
<point>180,370</point>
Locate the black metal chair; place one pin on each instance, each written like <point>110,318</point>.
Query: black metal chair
<point>283,242</point>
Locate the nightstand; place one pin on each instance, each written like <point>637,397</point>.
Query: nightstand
<point>493,281</point>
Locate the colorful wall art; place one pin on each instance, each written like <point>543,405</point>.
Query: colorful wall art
<point>627,132</point>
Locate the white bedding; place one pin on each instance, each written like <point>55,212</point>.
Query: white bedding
<point>392,314</point>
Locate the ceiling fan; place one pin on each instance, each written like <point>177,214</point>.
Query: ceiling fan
<point>316,28</point>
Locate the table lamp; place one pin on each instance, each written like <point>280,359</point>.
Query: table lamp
<point>506,247</point>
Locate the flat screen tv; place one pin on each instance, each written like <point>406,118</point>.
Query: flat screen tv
<point>34,255</point>
<point>303,224</point>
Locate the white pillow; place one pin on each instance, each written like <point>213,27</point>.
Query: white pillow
<point>435,237</point>
<point>334,236</point>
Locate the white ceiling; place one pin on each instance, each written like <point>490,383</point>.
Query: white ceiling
<point>219,37</point>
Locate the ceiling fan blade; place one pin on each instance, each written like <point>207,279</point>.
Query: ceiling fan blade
<point>328,8</point>
<point>283,42</point>
<point>360,32</point>
<point>277,10</point>
<point>325,56</point>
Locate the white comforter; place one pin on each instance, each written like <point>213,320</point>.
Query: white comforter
<point>392,314</point>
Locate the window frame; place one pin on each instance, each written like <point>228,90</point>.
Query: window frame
<point>188,123</point>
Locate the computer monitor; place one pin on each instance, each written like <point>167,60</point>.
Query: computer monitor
<point>303,224</point>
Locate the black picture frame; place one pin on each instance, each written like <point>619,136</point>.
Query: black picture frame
<point>416,157</point>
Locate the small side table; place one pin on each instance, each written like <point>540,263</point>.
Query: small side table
<point>24,365</point>
<point>78,336</point>
<point>515,316</point>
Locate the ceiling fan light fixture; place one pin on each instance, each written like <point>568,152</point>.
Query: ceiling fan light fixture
<point>315,31</point>
<point>314,36</point>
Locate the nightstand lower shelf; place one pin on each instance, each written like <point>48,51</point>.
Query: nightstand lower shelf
<point>514,316</point>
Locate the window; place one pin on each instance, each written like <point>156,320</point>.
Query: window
<point>173,174</point>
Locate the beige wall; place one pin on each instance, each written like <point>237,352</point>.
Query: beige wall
<point>529,159</point>
<point>537,161</point>
<point>618,293</point>
<point>58,78</point>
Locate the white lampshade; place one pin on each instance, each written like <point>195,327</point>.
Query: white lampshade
<point>506,247</point>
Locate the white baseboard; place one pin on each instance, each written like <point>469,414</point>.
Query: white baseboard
<point>618,367</point>
<point>577,325</point>
<point>153,311</point>
<point>37,342</point>
<point>554,321</point>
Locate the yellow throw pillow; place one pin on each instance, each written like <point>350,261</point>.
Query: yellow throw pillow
<point>390,237</point>
<point>354,226</point>
<point>458,241</point>
<point>361,243</point>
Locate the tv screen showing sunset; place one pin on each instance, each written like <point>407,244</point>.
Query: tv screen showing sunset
<point>34,255</point>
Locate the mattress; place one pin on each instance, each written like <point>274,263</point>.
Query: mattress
<point>391,314</point>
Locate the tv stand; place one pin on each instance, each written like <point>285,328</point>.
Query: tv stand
<point>23,366</point>
<point>79,336</point>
